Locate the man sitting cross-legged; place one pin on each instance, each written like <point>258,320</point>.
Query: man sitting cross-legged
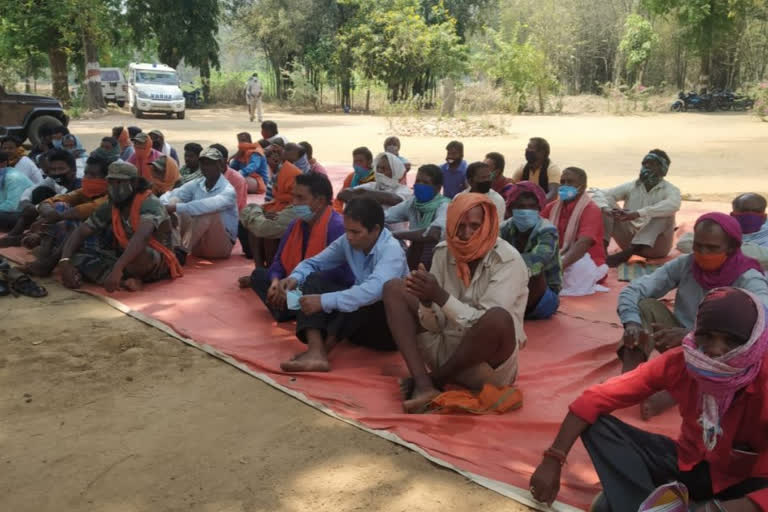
<point>331,312</point>
<point>463,320</point>
<point>717,260</point>
<point>537,241</point>
<point>139,246</point>
<point>720,379</point>
<point>316,228</point>
<point>206,210</point>
<point>425,213</point>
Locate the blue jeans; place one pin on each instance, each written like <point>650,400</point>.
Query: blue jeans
<point>546,307</point>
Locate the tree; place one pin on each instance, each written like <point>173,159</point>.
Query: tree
<point>636,45</point>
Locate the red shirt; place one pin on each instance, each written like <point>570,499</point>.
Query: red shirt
<point>744,424</point>
<point>590,225</point>
<point>240,185</point>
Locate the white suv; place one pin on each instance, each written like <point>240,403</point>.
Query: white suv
<point>154,88</point>
<point>114,86</point>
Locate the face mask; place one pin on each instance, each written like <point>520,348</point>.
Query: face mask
<point>423,192</point>
<point>525,220</point>
<point>450,161</point>
<point>710,262</point>
<point>386,181</point>
<point>303,211</point>
<point>749,222</point>
<point>530,156</point>
<point>392,149</point>
<point>56,143</point>
<point>94,187</point>
<point>361,171</point>
<point>567,193</point>
<point>60,179</point>
<point>120,193</point>
<point>483,187</point>
<point>649,178</point>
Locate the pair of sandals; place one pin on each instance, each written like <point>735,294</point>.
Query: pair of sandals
<point>13,281</point>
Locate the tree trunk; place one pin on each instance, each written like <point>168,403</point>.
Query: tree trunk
<point>94,95</point>
<point>205,79</point>
<point>368,100</point>
<point>58,61</point>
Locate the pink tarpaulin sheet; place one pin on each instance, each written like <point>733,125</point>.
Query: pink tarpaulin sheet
<point>563,356</point>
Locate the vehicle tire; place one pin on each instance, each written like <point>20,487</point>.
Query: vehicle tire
<point>180,115</point>
<point>138,113</point>
<point>121,104</point>
<point>34,127</point>
<point>677,106</point>
<point>168,115</point>
<point>725,106</point>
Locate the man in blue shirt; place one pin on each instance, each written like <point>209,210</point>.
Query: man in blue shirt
<point>251,163</point>
<point>315,229</point>
<point>454,169</point>
<point>207,210</point>
<point>329,312</point>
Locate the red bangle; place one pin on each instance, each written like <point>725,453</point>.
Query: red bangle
<point>556,454</point>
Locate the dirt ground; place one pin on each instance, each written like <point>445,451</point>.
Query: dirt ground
<point>99,412</point>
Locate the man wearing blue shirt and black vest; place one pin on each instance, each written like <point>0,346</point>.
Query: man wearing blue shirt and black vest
<point>330,313</point>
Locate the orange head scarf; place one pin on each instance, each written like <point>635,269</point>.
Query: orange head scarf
<point>124,140</point>
<point>481,241</point>
<point>247,149</point>
<point>172,175</point>
<point>94,187</point>
<point>143,161</point>
<point>122,237</point>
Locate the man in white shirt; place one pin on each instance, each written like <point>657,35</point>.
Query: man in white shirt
<point>645,226</point>
<point>19,160</point>
<point>253,96</point>
<point>207,210</point>
<point>479,182</point>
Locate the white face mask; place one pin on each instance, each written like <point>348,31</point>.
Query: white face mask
<point>385,181</point>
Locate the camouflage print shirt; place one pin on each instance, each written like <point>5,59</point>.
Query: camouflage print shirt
<point>152,210</point>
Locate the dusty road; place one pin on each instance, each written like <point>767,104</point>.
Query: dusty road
<point>714,156</point>
<point>99,412</point>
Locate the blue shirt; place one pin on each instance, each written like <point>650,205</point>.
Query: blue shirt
<point>454,180</point>
<point>196,199</point>
<point>12,186</point>
<point>385,262</point>
<point>256,164</point>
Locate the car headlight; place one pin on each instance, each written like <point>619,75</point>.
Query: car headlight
<point>143,95</point>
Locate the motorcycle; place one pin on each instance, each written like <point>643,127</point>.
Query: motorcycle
<point>193,98</point>
<point>728,100</point>
<point>692,100</point>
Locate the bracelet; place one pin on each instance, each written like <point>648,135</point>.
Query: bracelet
<point>556,454</point>
<point>719,506</point>
<point>63,260</point>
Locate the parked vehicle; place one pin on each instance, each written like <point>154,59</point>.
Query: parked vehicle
<point>154,88</point>
<point>728,100</point>
<point>22,115</point>
<point>193,98</point>
<point>114,86</point>
<point>694,101</point>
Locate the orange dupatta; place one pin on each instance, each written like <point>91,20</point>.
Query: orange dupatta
<point>318,237</point>
<point>122,237</point>
<point>172,175</point>
<point>143,160</point>
<point>247,149</point>
<point>124,140</point>
<point>481,242</point>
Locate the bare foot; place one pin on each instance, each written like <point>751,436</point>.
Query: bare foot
<point>244,282</point>
<point>38,268</point>
<point>407,385</point>
<point>132,284</point>
<point>616,259</point>
<point>30,240</point>
<point>307,362</point>
<point>420,399</point>
<point>656,405</point>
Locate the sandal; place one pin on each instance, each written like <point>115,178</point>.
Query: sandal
<point>4,290</point>
<point>20,283</point>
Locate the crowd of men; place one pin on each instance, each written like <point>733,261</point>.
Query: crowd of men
<point>447,271</point>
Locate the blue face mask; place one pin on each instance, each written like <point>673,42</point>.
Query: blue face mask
<point>56,143</point>
<point>303,211</point>
<point>567,193</point>
<point>525,220</point>
<point>361,172</point>
<point>423,192</point>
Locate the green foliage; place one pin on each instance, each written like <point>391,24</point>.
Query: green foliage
<point>521,69</point>
<point>638,42</point>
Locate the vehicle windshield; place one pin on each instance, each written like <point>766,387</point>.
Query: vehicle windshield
<point>156,78</point>
<point>110,75</point>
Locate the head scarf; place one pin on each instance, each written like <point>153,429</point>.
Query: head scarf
<point>172,176</point>
<point>79,150</point>
<point>511,193</point>
<point>143,159</point>
<point>664,164</point>
<point>720,378</point>
<point>481,242</point>
<point>736,264</point>
<point>124,140</point>
<point>427,211</point>
<point>385,183</point>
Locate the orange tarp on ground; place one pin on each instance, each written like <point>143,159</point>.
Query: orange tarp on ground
<point>564,355</point>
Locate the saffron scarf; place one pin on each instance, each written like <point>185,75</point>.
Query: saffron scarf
<point>124,140</point>
<point>94,187</point>
<point>720,378</point>
<point>481,241</point>
<point>122,238</point>
<point>318,238</point>
<point>14,158</point>
<point>573,223</point>
<point>428,211</point>
<point>736,264</point>
<point>143,156</point>
<point>247,149</point>
<point>162,185</point>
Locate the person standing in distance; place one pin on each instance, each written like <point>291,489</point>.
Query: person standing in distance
<point>253,96</point>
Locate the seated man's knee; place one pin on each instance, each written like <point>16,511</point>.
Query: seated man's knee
<point>315,283</point>
<point>393,290</point>
<point>498,318</point>
<point>646,304</point>
<point>29,211</point>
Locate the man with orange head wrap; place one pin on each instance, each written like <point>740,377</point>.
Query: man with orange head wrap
<point>463,320</point>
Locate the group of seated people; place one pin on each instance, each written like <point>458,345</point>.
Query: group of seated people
<point>447,271</point>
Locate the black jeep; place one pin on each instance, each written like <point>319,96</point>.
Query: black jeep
<point>22,115</point>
